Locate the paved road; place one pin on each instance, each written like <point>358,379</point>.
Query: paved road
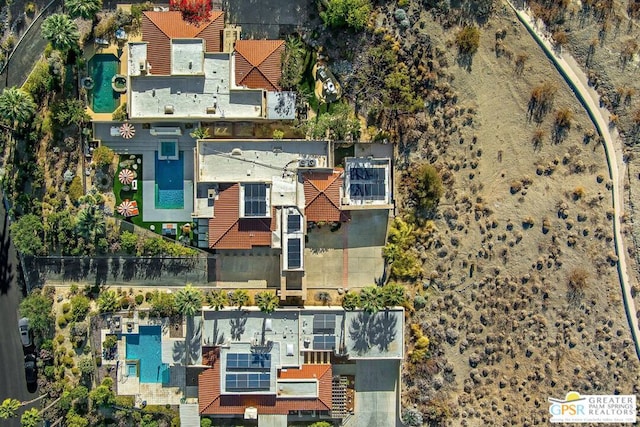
<point>12,380</point>
<point>28,51</point>
<point>589,98</point>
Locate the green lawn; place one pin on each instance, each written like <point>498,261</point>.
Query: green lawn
<point>124,162</point>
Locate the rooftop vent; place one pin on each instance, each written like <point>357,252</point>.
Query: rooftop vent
<point>168,109</point>
<point>236,152</point>
<point>211,110</point>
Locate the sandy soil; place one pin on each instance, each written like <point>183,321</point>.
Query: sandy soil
<point>507,331</point>
<point>614,75</point>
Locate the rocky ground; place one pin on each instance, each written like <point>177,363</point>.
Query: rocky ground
<point>523,297</point>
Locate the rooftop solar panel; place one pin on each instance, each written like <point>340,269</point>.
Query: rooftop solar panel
<point>324,322</point>
<point>248,361</point>
<point>247,381</point>
<point>294,255</point>
<point>324,342</point>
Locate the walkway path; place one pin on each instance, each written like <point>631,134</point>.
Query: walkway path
<point>589,98</point>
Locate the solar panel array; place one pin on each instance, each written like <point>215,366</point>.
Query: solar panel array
<point>247,381</point>
<point>293,223</point>
<point>324,322</point>
<point>255,200</point>
<point>294,253</point>
<point>367,183</point>
<point>324,342</point>
<point>248,361</point>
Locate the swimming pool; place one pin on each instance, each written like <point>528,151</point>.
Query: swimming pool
<point>146,347</point>
<point>102,68</point>
<point>170,183</point>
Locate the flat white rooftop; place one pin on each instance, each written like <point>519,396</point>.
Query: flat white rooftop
<point>254,161</point>
<point>206,95</point>
<point>187,57</point>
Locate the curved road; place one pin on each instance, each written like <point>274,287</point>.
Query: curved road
<point>589,98</point>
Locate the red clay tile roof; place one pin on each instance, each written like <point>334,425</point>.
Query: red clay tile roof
<point>228,231</point>
<point>322,196</point>
<point>212,402</point>
<point>158,28</point>
<point>259,63</point>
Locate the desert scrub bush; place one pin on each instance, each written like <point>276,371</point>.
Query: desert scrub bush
<point>541,100</point>
<point>515,186</point>
<point>75,190</point>
<point>66,307</point>
<point>139,299</point>
<point>103,156</point>
<point>578,193</point>
<point>468,40</point>
<point>412,417</point>
<point>423,185</point>
<point>399,253</point>
<point>576,284</point>
<point>419,302</point>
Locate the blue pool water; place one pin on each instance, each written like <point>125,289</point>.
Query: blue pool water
<point>102,68</point>
<point>132,370</point>
<point>170,183</point>
<point>147,349</point>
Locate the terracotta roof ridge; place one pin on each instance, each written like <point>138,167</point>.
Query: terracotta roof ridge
<point>215,15</point>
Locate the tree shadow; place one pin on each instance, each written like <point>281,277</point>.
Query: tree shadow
<point>358,332</point>
<point>382,330</point>
<point>238,324</point>
<point>216,337</point>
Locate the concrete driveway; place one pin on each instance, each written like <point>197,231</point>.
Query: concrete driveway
<point>376,393</point>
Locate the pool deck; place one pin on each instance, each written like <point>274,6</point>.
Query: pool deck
<point>93,49</point>
<point>154,394</point>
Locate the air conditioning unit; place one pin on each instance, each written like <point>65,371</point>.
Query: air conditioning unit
<point>143,66</point>
<point>212,193</point>
<point>312,163</point>
<point>168,109</point>
<point>302,163</point>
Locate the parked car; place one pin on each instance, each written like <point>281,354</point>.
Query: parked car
<point>30,369</point>
<point>25,336</point>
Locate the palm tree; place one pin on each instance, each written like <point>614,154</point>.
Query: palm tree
<point>200,133</point>
<point>393,295</point>
<point>239,297</point>
<point>107,302</point>
<point>267,301</point>
<point>61,31</point>
<point>8,408</point>
<point>217,299</point>
<point>371,299</point>
<point>90,223</point>
<point>16,107</point>
<point>350,301</point>
<point>31,418</point>
<point>86,9</point>
<point>188,300</point>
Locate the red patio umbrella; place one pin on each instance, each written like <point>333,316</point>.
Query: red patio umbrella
<point>127,131</point>
<point>126,176</point>
<point>128,208</point>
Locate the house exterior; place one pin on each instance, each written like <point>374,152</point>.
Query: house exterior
<point>263,193</point>
<point>179,71</point>
<point>290,363</point>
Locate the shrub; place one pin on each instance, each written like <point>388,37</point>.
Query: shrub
<point>120,115</point>
<point>75,190</point>
<point>419,302</point>
<point>66,307</point>
<point>79,307</point>
<point>125,303</point>
<point>62,322</point>
<point>468,40</point>
<point>346,13</point>
<point>67,361</point>
<point>60,339</point>
<point>422,343</point>
<point>30,8</point>
<point>125,401</point>
<point>103,156</point>
<point>424,185</point>
<point>129,242</point>
<point>27,234</point>
<point>148,296</point>
<point>139,299</point>
<point>278,134</point>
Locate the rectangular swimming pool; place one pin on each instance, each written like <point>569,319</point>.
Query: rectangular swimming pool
<point>170,183</point>
<point>102,68</point>
<point>146,347</point>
